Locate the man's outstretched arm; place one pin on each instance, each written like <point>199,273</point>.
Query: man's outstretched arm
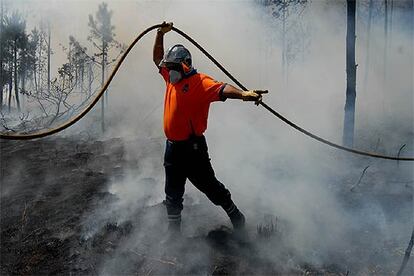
<point>231,92</point>
<point>158,50</point>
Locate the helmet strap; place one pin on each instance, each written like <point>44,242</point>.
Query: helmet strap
<point>186,69</point>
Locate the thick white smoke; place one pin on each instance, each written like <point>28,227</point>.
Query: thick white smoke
<point>268,167</point>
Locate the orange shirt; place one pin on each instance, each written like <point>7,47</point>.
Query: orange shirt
<point>186,104</point>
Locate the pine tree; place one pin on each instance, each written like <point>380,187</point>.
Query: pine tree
<point>16,41</point>
<point>102,36</point>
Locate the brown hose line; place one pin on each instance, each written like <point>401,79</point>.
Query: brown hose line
<point>121,60</point>
<point>89,107</point>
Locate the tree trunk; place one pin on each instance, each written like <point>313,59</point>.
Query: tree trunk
<point>10,87</point>
<point>16,88</point>
<point>284,40</point>
<point>35,78</point>
<point>23,80</point>
<point>90,76</point>
<point>40,71</point>
<point>23,89</point>
<point>48,58</point>
<point>102,84</point>
<point>76,76</point>
<point>1,55</point>
<point>349,120</point>
<point>385,40</point>
<point>82,72</point>
<point>390,23</point>
<point>371,6</point>
<point>106,73</point>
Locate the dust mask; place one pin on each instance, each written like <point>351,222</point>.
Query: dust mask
<point>175,76</point>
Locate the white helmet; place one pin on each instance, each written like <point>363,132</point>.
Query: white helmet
<point>177,54</point>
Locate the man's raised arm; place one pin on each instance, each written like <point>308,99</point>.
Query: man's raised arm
<point>158,50</point>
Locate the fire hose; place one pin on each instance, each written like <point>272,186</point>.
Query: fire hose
<point>44,133</point>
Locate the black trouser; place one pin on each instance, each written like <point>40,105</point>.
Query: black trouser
<point>189,159</point>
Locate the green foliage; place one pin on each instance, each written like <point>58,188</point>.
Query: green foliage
<point>14,41</point>
<point>278,7</point>
<point>25,54</point>
<point>101,29</point>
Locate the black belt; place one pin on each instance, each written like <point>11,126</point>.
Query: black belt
<point>190,141</point>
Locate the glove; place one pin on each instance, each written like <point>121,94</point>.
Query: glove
<point>254,95</point>
<point>165,28</point>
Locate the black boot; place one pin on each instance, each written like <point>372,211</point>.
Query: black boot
<point>237,219</point>
<point>173,237</point>
<point>174,227</point>
<point>240,232</point>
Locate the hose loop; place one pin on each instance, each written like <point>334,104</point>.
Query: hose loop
<point>75,119</point>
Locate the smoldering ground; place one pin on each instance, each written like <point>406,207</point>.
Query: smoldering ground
<point>271,170</point>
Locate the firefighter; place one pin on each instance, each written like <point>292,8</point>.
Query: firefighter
<point>187,99</point>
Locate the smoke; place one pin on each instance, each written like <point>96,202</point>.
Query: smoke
<point>269,167</point>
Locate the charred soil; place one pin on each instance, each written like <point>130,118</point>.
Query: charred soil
<point>49,187</point>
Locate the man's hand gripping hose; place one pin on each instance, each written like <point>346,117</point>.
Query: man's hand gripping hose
<point>253,95</point>
<point>165,27</point>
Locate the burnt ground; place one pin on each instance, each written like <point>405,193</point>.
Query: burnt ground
<point>50,187</point>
